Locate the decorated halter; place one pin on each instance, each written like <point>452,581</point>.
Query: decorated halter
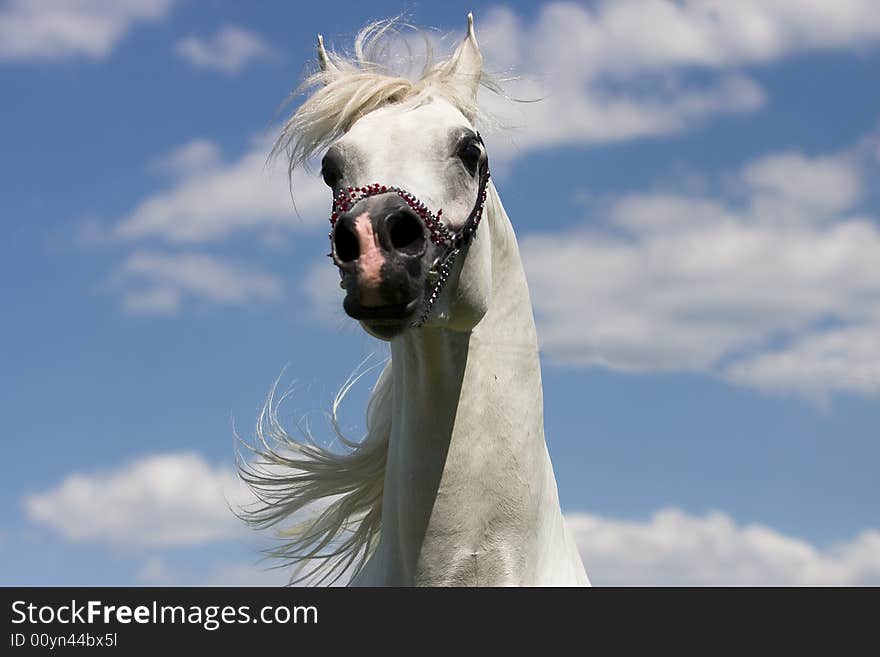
<point>452,241</point>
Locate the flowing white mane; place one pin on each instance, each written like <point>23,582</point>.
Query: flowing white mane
<point>348,87</point>
<point>288,475</point>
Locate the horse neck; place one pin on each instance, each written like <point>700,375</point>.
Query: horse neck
<point>469,491</point>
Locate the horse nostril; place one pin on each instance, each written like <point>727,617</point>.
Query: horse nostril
<point>345,243</point>
<point>406,232</point>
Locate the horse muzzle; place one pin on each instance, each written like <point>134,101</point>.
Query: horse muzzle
<point>379,248</point>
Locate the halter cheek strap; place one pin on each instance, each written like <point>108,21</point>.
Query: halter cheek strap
<point>451,241</point>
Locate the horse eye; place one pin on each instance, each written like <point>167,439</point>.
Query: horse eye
<point>330,171</point>
<point>470,153</point>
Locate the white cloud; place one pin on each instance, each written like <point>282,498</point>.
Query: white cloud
<point>167,500</point>
<point>228,51</point>
<point>192,159</point>
<point>157,282</point>
<point>153,301</point>
<point>46,29</point>
<point>630,36</point>
<point>846,359</point>
<point>616,70</point>
<point>674,548</point>
<point>210,199</point>
<point>772,282</point>
<point>814,186</point>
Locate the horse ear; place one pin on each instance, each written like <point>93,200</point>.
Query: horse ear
<point>466,63</point>
<point>327,66</point>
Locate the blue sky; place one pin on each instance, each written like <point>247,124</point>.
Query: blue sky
<point>696,201</point>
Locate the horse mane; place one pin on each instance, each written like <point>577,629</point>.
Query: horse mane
<point>290,476</point>
<point>331,502</point>
<point>351,86</point>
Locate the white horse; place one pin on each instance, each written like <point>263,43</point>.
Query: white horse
<point>452,484</point>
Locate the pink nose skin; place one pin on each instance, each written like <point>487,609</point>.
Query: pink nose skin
<point>370,260</point>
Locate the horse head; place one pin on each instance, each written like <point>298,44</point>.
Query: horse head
<point>408,174</point>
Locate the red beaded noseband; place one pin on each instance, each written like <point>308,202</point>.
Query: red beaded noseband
<point>441,235</point>
<point>348,198</point>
